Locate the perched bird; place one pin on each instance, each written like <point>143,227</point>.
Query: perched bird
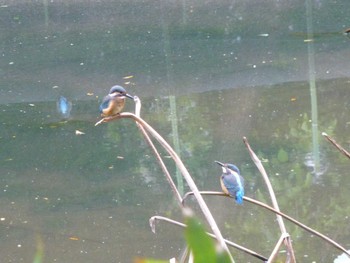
<point>114,102</point>
<point>64,107</point>
<point>232,183</point>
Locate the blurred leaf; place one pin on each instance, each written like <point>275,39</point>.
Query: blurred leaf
<point>201,245</point>
<point>39,254</point>
<point>222,257</point>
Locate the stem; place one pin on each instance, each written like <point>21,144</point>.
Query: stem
<point>153,219</point>
<point>312,84</point>
<point>261,168</point>
<point>289,218</point>
<point>277,247</point>
<point>209,217</point>
<point>338,146</point>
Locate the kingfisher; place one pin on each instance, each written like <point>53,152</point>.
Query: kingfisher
<point>114,102</point>
<point>232,183</point>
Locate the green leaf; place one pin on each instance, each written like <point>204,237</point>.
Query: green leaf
<point>223,257</point>
<point>201,245</point>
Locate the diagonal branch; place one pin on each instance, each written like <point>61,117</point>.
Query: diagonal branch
<point>153,220</point>
<point>209,217</point>
<point>261,168</point>
<point>277,247</point>
<point>338,146</point>
<point>289,218</point>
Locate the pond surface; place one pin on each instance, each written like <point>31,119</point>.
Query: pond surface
<point>207,75</point>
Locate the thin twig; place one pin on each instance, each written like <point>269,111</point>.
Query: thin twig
<point>230,243</point>
<point>137,106</point>
<point>209,217</point>
<point>277,247</point>
<point>338,146</point>
<point>289,218</point>
<point>184,254</point>
<point>261,168</point>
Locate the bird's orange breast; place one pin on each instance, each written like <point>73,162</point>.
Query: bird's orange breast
<point>223,187</point>
<point>115,106</point>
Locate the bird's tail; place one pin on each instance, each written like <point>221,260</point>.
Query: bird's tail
<point>239,196</point>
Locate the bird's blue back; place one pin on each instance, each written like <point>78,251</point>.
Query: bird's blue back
<point>234,183</point>
<point>105,103</point>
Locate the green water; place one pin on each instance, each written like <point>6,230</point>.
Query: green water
<point>235,71</point>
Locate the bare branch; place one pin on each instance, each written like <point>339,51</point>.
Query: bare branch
<point>338,146</point>
<point>277,247</point>
<point>209,217</point>
<point>230,243</point>
<point>289,218</point>
<point>261,168</point>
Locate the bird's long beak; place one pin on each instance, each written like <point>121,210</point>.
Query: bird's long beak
<point>129,96</point>
<point>220,163</point>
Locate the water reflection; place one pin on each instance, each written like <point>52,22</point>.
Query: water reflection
<point>64,107</point>
<point>310,163</point>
